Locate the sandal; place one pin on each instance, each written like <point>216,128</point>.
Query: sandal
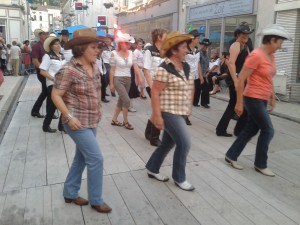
<point>116,123</point>
<point>128,126</point>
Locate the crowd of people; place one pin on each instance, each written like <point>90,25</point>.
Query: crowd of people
<point>178,71</point>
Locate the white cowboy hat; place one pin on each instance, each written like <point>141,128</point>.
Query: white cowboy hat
<point>40,30</point>
<point>48,41</point>
<point>124,38</point>
<point>277,30</point>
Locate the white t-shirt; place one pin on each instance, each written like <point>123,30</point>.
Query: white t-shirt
<point>15,52</point>
<point>123,65</point>
<point>3,55</point>
<point>193,59</point>
<point>213,63</point>
<point>139,58</point>
<point>101,66</point>
<point>67,54</point>
<point>151,62</point>
<point>52,66</point>
<point>106,54</point>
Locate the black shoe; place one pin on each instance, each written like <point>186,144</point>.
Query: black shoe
<point>206,106</point>
<point>187,121</point>
<point>55,117</point>
<point>223,134</point>
<point>196,105</point>
<point>50,130</point>
<point>37,114</point>
<point>107,94</point>
<point>104,100</point>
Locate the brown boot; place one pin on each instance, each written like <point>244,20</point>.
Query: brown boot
<point>104,208</point>
<point>78,201</point>
<point>154,136</point>
<point>148,130</point>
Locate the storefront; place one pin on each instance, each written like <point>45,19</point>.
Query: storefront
<point>217,21</point>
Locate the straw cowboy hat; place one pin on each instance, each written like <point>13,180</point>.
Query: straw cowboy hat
<point>38,31</point>
<point>173,39</point>
<point>48,41</point>
<point>82,36</point>
<point>124,38</point>
<point>277,30</point>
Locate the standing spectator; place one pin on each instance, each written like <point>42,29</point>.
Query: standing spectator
<point>64,39</point>
<point>121,61</point>
<point>106,55</point>
<point>258,98</point>
<point>9,63</point>
<point>238,52</point>
<point>3,58</point>
<point>52,61</point>
<point>152,60</point>
<point>204,62</point>
<point>171,97</point>
<point>102,70</point>
<point>77,95</point>
<point>26,55</point>
<point>38,52</point>
<point>139,54</point>
<point>15,52</point>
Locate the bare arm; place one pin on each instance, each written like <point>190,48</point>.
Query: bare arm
<point>245,73</point>
<point>148,77</point>
<point>45,74</point>
<point>36,62</point>
<point>56,96</point>
<point>200,74</point>
<point>156,89</point>
<point>234,52</point>
<point>138,73</point>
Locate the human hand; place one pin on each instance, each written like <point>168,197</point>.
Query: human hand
<point>74,124</point>
<point>239,108</point>
<point>158,122</point>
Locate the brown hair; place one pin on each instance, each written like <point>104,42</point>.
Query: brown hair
<point>157,33</point>
<point>78,50</point>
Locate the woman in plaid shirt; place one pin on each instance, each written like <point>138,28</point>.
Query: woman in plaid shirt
<point>171,97</point>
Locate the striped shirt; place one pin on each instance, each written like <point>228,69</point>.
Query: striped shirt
<point>176,97</point>
<point>83,93</point>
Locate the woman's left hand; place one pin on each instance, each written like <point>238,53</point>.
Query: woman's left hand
<point>272,104</point>
<point>158,122</point>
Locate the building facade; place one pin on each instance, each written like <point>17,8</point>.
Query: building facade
<point>14,20</point>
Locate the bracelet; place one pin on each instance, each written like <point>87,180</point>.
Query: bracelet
<point>69,118</point>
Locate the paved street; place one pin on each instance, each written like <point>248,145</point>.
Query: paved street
<point>34,164</point>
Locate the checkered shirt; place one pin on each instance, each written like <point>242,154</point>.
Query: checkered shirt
<point>83,93</point>
<point>176,97</point>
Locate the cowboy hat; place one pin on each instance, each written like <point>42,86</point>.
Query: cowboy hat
<point>64,32</point>
<point>172,39</point>
<point>48,41</point>
<point>38,31</point>
<point>244,28</point>
<point>277,30</point>
<point>205,41</point>
<point>82,36</point>
<point>195,33</point>
<point>124,38</point>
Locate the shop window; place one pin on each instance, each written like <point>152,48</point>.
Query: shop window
<point>41,18</point>
<point>215,33</point>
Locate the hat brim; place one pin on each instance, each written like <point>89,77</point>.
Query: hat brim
<point>205,43</point>
<point>48,41</point>
<point>170,43</point>
<point>80,41</point>
<point>131,40</point>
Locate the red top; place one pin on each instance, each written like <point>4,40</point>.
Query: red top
<point>38,51</point>
<point>83,93</point>
<point>260,82</point>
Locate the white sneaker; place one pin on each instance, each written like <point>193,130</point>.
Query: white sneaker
<point>131,109</point>
<point>185,186</point>
<point>266,171</point>
<point>233,163</point>
<point>157,176</point>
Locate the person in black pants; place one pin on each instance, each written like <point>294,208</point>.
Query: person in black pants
<point>238,53</point>
<point>37,54</point>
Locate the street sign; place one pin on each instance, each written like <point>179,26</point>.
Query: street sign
<point>102,20</point>
<point>78,6</point>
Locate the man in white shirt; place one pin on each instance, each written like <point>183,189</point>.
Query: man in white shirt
<point>15,52</point>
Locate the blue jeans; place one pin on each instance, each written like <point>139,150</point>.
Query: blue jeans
<point>88,154</point>
<point>175,132</point>
<point>258,119</point>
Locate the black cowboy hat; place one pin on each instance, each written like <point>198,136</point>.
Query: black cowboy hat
<point>64,32</point>
<point>195,33</point>
<point>205,41</point>
<point>244,28</point>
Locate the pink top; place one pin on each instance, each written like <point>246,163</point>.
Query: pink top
<point>260,82</point>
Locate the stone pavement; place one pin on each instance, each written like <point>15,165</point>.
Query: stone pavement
<point>34,164</point>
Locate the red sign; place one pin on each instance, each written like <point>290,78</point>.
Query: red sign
<point>102,20</point>
<point>78,6</point>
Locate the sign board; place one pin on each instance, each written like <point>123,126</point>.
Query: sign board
<point>221,9</point>
<point>102,20</point>
<point>78,6</point>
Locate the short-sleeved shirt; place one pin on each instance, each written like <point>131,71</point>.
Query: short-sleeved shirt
<point>214,62</point>
<point>204,62</point>
<point>83,93</point>
<point>152,59</point>
<point>52,64</point>
<point>38,51</point>
<point>123,65</point>
<point>106,54</point>
<point>176,97</point>
<point>15,52</point>
<point>193,59</point>
<point>67,54</point>
<point>260,82</point>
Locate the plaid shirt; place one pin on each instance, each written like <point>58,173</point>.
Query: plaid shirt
<point>83,94</point>
<point>176,97</point>
<point>204,62</point>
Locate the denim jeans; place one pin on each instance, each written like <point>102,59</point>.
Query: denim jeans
<point>175,132</point>
<point>88,154</point>
<point>258,119</point>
